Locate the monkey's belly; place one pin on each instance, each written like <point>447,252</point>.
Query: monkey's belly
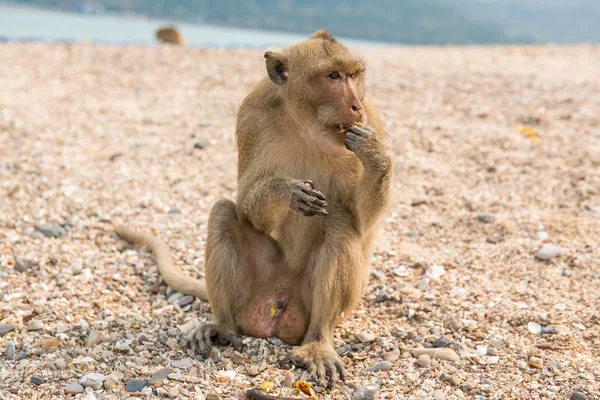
<point>262,318</point>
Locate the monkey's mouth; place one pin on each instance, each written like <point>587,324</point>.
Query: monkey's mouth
<point>345,128</point>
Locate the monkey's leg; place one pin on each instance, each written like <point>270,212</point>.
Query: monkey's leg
<point>235,254</point>
<point>338,274</point>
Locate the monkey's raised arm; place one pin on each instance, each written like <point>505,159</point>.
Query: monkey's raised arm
<point>374,184</point>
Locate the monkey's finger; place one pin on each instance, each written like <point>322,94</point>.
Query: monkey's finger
<point>361,130</point>
<point>312,200</point>
<point>314,193</point>
<point>309,183</point>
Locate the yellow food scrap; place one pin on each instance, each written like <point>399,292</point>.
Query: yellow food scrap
<point>529,132</point>
<point>266,386</point>
<point>304,387</point>
<point>344,129</point>
<point>273,310</point>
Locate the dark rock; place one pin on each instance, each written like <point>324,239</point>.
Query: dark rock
<point>547,330</point>
<point>51,230</point>
<point>174,211</point>
<point>10,350</point>
<point>418,202</point>
<point>134,385</point>
<point>185,300</point>
<point>342,351</point>
<point>37,381</point>
<point>486,218</point>
<point>4,329</point>
<point>380,366</point>
<point>413,234</point>
<point>578,396</point>
<point>21,356</point>
<point>443,341</point>
<point>494,239</point>
<point>21,266</point>
<point>199,145</point>
<point>381,297</point>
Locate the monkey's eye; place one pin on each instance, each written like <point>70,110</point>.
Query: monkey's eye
<point>334,75</point>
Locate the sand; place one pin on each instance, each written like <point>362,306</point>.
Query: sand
<point>145,135</point>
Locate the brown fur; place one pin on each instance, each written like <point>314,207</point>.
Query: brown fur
<point>290,257</point>
<point>170,35</point>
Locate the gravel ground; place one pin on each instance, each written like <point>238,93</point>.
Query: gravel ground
<point>491,249</point>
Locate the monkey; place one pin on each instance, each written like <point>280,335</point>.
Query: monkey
<point>170,35</point>
<point>290,257</point>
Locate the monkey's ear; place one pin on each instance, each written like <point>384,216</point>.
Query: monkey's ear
<point>323,34</point>
<point>277,67</point>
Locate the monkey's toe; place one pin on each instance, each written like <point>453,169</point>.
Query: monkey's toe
<point>323,365</point>
<point>201,339</point>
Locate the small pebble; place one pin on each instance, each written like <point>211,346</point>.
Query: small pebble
<point>391,356</point>
<point>93,380</point>
<point>381,297</point>
<point>365,393</point>
<point>135,385</point>
<point>4,329</point>
<point>159,375</point>
<point>423,284</point>
<point>35,325</point>
<point>93,339</point>
<point>549,251</point>
<point>494,239</point>
<point>342,351</point>
<point>174,211</point>
<point>288,381</point>
<point>413,234</point>
<point>578,396</point>
<point>73,388</point>
<point>365,337</point>
<point>21,356</point>
<point>213,396</point>
<point>534,328</point>
<point>493,360</point>
<point>438,395</point>
<point>51,230</point>
<point>183,364</point>
<point>21,266</point>
<point>275,341</point>
<point>424,360</point>
<point>439,354</point>
<point>185,300</point>
<point>10,350</point>
<point>199,145</point>
<point>345,390</point>
<point>380,366</point>
<point>486,218</point>
<point>378,274</point>
<point>36,381</point>
<point>443,341</point>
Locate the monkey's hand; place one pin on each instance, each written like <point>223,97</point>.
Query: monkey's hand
<point>321,361</point>
<point>306,200</point>
<point>364,141</point>
<point>202,337</point>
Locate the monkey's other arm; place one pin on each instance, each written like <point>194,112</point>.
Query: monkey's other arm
<point>264,201</point>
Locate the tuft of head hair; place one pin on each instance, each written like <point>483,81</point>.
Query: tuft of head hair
<point>323,34</point>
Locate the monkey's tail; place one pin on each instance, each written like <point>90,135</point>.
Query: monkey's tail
<point>176,279</point>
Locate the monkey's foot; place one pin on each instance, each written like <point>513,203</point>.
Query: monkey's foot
<point>202,337</point>
<point>321,361</point>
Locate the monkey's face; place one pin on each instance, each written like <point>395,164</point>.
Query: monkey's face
<point>321,81</point>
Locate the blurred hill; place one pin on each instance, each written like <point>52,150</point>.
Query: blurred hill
<point>560,21</point>
<point>400,21</point>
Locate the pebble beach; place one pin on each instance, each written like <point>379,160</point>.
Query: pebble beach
<point>485,279</point>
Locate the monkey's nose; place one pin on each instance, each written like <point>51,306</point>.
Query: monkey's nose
<point>356,108</point>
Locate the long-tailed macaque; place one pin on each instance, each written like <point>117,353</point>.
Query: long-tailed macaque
<point>290,258</point>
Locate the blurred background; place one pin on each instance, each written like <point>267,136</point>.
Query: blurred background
<point>250,22</point>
